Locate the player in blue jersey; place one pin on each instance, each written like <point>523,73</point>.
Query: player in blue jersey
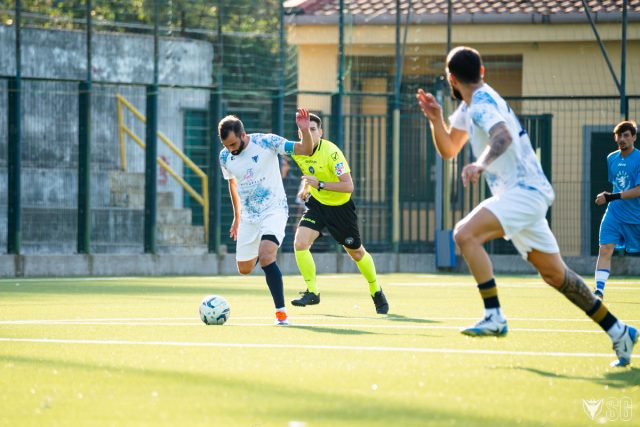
<point>521,195</point>
<point>250,164</point>
<point>620,226</point>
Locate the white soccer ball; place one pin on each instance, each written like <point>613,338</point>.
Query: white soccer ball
<point>214,310</point>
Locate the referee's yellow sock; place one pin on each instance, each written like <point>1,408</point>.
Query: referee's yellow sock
<point>307,268</point>
<point>368,270</point>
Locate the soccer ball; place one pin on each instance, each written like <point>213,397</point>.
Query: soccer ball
<point>214,310</point>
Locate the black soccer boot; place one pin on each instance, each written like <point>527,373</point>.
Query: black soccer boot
<point>382,306</point>
<point>307,298</point>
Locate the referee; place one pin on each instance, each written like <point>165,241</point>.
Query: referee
<point>327,191</point>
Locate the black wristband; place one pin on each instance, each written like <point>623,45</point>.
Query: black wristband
<point>611,197</point>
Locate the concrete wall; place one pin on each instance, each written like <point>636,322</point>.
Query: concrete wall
<point>211,264</point>
<point>117,57</point>
<point>50,119</point>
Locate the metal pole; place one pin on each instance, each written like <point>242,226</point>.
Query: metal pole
<point>151,154</point>
<point>156,44</point>
<point>338,121</point>
<point>14,228</point>
<point>449,22</point>
<point>445,249</point>
<point>84,150</point>
<point>396,88</point>
<point>89,41</point>
<point>215,192</point>
<point>216,113</point>
<point>219,74</point>
<point>446,164</point>
<point>601,45</point>
<point>624,107</point>
<point>279,113</point>
<point>442,175</point>
<point>395,165</point>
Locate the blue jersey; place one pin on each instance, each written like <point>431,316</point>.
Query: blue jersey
<point>624,174</point>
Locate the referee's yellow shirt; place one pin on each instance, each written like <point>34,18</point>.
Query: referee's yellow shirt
<point>326,163</point>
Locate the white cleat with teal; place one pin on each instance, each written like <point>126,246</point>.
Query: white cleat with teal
<point>623,347</point>
<point>487,327</point>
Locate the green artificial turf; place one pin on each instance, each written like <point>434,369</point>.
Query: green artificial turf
<point>133,351</point>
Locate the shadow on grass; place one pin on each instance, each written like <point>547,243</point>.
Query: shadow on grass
<point>333,331</point>
<point>401,318</point>
<point>214,387</point>
<point>620,378</point>
<point>391,316</point>
<point>341,316</point>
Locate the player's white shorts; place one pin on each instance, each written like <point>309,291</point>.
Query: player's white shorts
<point>250,234</point>
<point>521,214</point>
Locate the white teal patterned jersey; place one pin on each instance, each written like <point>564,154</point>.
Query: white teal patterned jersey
<point>518,166</point>
<point>257,173</point>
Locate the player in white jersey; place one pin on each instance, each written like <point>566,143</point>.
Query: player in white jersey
<point>250,164</point>
<point>517,208</point>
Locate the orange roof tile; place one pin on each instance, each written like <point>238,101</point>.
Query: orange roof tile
<point>375,11</point>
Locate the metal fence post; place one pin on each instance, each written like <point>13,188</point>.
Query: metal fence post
<point>151,154</point>
<point>84,168</point>
<point>84,149</point>
<point>14,169</point>
<point>14,237</point>
<point>215,193</point>
<point>151,171</point>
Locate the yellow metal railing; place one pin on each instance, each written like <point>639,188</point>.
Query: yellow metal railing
<point>124,130</point>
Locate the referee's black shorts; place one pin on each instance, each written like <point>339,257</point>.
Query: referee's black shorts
<point>341,221</point>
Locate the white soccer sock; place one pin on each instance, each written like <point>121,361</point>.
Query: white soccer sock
<point>495,312</point>
<point>601,278</point>
<point>615,332</point>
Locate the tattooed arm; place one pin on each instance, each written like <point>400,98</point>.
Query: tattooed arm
<point>500,140</point>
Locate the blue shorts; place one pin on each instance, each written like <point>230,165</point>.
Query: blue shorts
<point>623,235</point>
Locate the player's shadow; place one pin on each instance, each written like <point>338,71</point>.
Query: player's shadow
<point>335,331</point>
<point>392,317</point>
<point>401,318</point>
<point>344,331</point>
<point>620,378</point>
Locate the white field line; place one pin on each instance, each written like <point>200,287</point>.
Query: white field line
<point>614,279</point>
<point>307,347</point>
<point>327,319</point>
<point>306,325</point>
<point>430,280</point>
<point>541,285</point>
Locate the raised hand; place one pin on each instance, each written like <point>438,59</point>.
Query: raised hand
<point>302,119</point>
<point>430,107</point>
